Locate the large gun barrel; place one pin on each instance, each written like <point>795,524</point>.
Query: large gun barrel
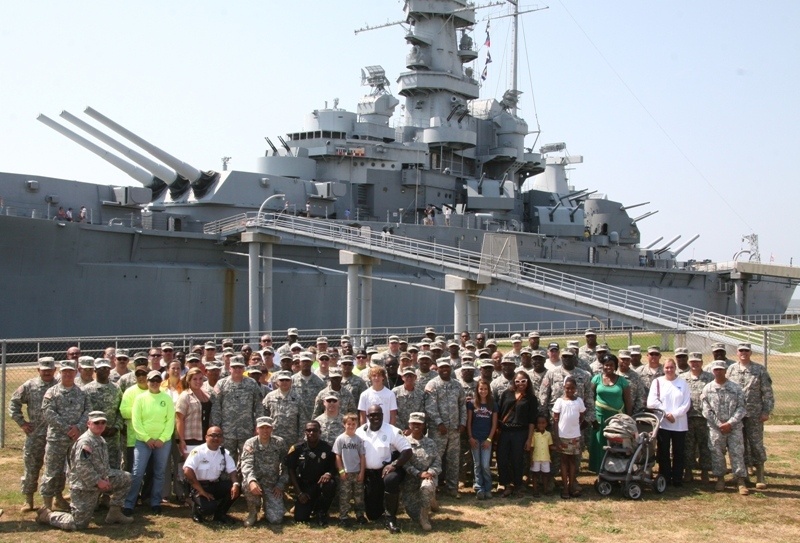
<point>162,172</point>
<point>680,249</point>
<point>200,181</point>
<point>148,180</point>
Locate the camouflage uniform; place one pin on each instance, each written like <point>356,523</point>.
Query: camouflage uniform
<point>355,385</point>
<point>552,388</point>
<point>725,403</point>
<point>106,398</point>
<point>445,404</point>
<point>407,403</point>
<point>500,385</point>
<point>536,380</point>
<point>419,493</point>
<point>31,393</point>
<point>307,388</point>
<point>88,464</point>
<point>126,381</point>
<point>759,400</point>
<point>62,408</point>
<point>649,375</point>
<point>728,364</point>
<point>697,437</point>
<point>285,410</point>
<point>114,376</point>
<point>424,379</point>
<point>330,427</point>
<point>234,408</point>
<point>638,391</point>
<point>264,465</point>
<point>346,402</point>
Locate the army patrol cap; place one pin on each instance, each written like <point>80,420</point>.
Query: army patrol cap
<point>68,365</point>
<point>210,346</point>
<point>743,347</point>
<point>408,371</point>
<point>405,356</point>
<point>286,356</point>
<point>371,350</point>
<point>653,349</point>
<point>213,365</point>
<point>284,375</point>
<point>140,370</point>
<point>487,364</point>
<point>566,353</point>
<point>376,360</point>
<point>394,339</point>
<point>86,362</point>
<point>533,334</point>
<point>452,343</point>
<point>102,363</point>
<point>443,362</point>
<point>330,396</point>
<point>122,353</point>
<point>295,347</point>
<point>681,351</point>
<point>467,365</point>
<point>539,353</point>
<point>334,372</point>
<point>440,339</point>
<point>589,332</point>
<point>346,359</point>
<point>719,365</point>
<point>484,353</point>
<point>153,375</point>
<point>718,347</point>
<point>507,360</point>
<point>322,339</point>
<point>140,359</point>
<point>624,353</point>
<point>696,357</point>
<point>228,351</point>
<point>265,421</point>
<point>47,363</point>
<point>167,346</point>
<point>573,345</point>
<point>516,338</point>
<point>469,344</point>
<point>467,356</point>
<point>635,349</point>
<point>430,330</point>
<point>192,358</point>
<point>237,360</point>
<point>292,332</point>
<point>254,369</point>
<point>526,350</point>
<point>413,348</point>
<point>95,416</point>
<point>324,355</point>
<point>491,342</point>
<point>227,342</point>
<point>417,417</point>
<point>603,348</point>
<point>424,355</point>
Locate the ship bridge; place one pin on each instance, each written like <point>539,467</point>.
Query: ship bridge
<point>466,273</point>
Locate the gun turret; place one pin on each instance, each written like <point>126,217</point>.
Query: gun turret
<point>147,179</point>
<point>200,181</point>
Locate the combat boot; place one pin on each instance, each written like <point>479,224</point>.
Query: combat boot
<point>252,515</point>
<point>704,477</point>
<point>43,516</point>
<point>424,519</point>
<point>61,503</point>
<point>434,504</point>
<point>687,476</point>
<point>743,490</point>
<point>28,506</point>
<point>115,516</point>
<point>48,502</point>
<point>719,486</point>
<point>760,483</point>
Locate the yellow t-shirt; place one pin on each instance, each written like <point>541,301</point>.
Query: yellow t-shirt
<point>540,442</point>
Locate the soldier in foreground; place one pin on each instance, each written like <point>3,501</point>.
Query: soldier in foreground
<point>89,477</point>
<point>263,474</point>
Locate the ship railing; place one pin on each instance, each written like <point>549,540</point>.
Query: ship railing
<point>449,259</point>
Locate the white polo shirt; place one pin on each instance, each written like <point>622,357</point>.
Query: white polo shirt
<point>378,446</point>
<point>208,465</point>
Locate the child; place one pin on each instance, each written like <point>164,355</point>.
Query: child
<point>541,441</point>
<point>567,418</point>
<point>481,426</point>
<point>350,461</point>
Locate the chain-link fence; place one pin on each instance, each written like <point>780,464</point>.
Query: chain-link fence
<point>777,347</point>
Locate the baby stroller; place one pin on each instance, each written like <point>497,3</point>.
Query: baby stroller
<point>630,455</point>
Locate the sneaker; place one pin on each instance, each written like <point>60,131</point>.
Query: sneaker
<point>480,495</point>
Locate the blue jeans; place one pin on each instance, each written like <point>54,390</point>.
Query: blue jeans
<point>141,456</point>
<point>481,458</point>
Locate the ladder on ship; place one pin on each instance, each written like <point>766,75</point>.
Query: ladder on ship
<point>602,300</point>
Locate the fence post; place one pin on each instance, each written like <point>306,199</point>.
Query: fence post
<point>766,347</point>
<point>3,394</point>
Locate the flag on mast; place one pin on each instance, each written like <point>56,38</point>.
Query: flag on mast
<point>487,43</point>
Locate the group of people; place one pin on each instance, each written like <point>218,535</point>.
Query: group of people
<point>370,429</point>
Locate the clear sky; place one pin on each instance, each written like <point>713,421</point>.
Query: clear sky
<point>692,106</point>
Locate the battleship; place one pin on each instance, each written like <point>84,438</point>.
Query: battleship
<point>432,161</point>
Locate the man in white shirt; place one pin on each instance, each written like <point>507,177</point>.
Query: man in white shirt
<point>384,475</point>
<point>202,469</point>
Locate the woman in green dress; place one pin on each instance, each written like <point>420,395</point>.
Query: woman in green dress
<point>612,396</point>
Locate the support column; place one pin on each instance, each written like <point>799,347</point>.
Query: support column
<point>473,312</point>
<point>461,288</point>
<point>259,281</point>
<point>359,293</point>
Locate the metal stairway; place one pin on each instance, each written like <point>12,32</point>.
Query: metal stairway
<point>599,299</point>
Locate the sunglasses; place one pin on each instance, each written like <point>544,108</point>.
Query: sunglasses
<point>99,423</point>
<point>520,381</point>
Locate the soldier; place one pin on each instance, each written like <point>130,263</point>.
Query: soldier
<point>291,338</point>
<point>346,402</point>
<point>553,356</point>
<point>516,349</point>
<point>422,472</point>
<point>501,383</point>
<point>596,366</point>
<point>446,408</point>
<point>235,404</point>
<point>718,352</point>
<point>697,436</point>
<point>129,379</point>
<point>104,396</point>
<point>354,384</point>
<point>85,371</point>
<point>409,399</point>
<point>120,366</point>
<point>66,411</point>
<point>31,393</point>
<point>533,340</point>
<point>589,350</point>
<point>537,371</point>
<point>424,373</point>
<point>283,406</point>
<point>90,476</point>
<point>331,422</point>
<point>552,387</point>
<point>636,357</point>
<point>467,376</point>
<point>759,402</point>
<point>312,470</point>
<point>306,385</point>
<point>638,392</point>
<point>653,369</point>
<point>682,361</point>
<point>724,408</point>
<point>263,473</point>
